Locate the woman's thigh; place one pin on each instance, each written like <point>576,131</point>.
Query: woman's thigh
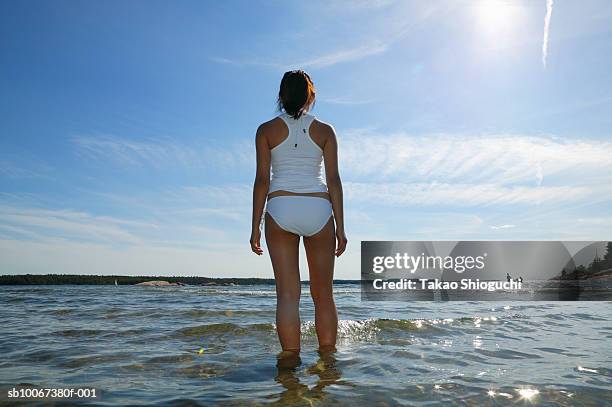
<point>320,250</point>
<point>283,247</point>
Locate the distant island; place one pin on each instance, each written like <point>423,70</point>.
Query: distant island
<point>80,279</point>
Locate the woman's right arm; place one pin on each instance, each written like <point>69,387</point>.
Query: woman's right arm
<point>334,187</point>
<point>260,188</point>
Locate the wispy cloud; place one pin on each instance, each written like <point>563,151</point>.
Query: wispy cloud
<point>547,17</point>
<point>150,152</point>
<point>494,159</point>
<point>355,6</point>
<point>49,225</point>
<point>344,55</point>
<point>162,152</point>
<point>173,229</point>
<point>464,171</point>
<point>494,169</point>
<point>220,195</point>
<point>498,227</point>
<point>459,194</point>
<point>320,61</point>
<point>374,35</point>
<point>432,169</point>
<point>34,240</point>
<point>345,100</point>
<point>230,202</point>
<point>27,168</point>
<point>10,170</point>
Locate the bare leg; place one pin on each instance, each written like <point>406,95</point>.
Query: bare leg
<point>284,253</point>
<point>320,254</point>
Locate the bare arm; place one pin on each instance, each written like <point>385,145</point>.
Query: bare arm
<point>334,187</point>
<point>260,187</point>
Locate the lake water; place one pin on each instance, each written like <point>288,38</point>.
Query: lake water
<point>140,345</point>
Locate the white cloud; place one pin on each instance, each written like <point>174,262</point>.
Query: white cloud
<point>148,152</point>
<point>163,152</point>
<point>462,170</point>
<point>439,169</point>
<point>498,227</point>
<point>168,228</point>
<point>503,159</point>
<point>44,224</point>
<point>320,61</point>
<point>458,195</point>
<point>343,55</point>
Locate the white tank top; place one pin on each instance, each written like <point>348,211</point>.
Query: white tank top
<point>297,162</point>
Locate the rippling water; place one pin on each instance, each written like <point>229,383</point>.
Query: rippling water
<point>141,345</point>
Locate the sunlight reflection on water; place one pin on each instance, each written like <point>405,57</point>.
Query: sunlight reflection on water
<point>200,344</point>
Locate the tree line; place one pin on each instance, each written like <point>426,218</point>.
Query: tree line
<point>597,265</point>
<point>76,279</point>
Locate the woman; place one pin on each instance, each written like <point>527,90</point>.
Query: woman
<point>300,202</point>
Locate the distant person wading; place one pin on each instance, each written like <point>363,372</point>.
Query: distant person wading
<point>299,202</point>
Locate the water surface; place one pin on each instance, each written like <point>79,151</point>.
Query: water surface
<point>141,345</point>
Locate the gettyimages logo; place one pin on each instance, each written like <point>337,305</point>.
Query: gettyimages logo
<point>411,263</point>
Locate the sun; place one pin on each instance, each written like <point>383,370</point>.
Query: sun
<point>497,23</point>
<point>496,15</point>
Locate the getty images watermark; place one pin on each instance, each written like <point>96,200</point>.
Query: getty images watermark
<point>486,270</point>
<point>459,264</point>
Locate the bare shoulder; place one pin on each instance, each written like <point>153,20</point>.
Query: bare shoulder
<point>323,127</point>
<point>268,126</point>
<point>269,130</point>
<point>323,132</point>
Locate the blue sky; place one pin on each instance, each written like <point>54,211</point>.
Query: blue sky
<point>127,128</point>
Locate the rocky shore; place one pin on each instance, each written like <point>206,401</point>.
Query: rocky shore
<point>159,283</point>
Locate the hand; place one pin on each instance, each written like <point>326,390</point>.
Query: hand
<point>341,242</point>
<point>255,242</point>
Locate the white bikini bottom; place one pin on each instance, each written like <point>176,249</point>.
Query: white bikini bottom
<point>299,214</point>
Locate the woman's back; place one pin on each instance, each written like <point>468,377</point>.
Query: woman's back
<point>297,162</point>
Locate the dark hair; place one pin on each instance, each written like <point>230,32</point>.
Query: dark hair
<point>296,94</point>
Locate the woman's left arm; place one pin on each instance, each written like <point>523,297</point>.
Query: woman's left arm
<point>260,187</point>
<point>334,187</point>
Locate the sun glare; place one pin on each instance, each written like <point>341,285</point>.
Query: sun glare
<point>497,23</point>
<point>496,15</point>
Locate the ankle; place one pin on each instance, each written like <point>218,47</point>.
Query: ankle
<point>327,348</point>
<point>288,352</point>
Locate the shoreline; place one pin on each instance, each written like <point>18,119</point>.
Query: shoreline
<point>84,279</point>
